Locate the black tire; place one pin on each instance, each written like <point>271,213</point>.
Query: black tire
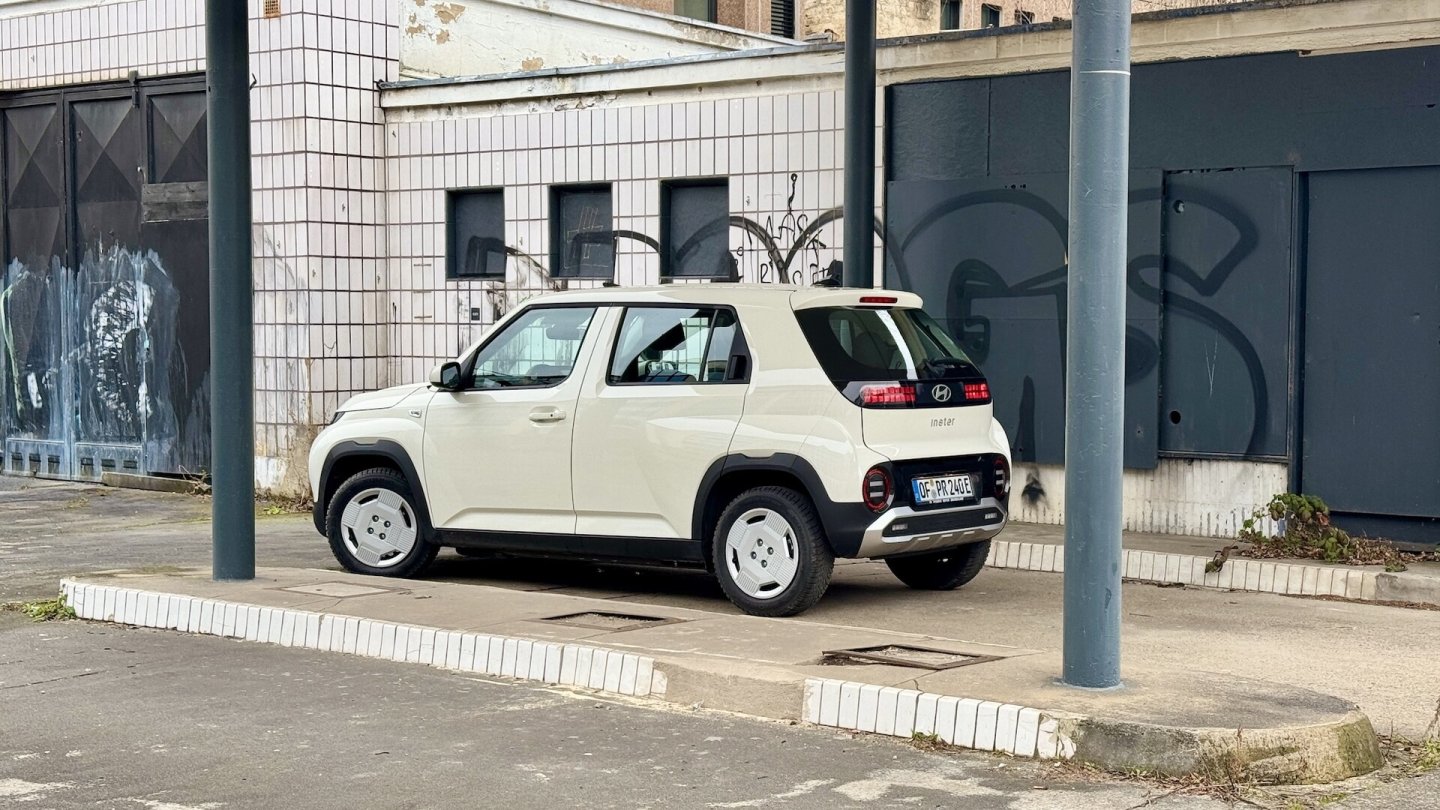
<point>941,570</point>
<point>421,554</point>
<point>814,559</point>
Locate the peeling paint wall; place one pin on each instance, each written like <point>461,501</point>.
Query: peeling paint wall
<point>483,37</point>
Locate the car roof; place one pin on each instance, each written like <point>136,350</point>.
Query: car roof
<point>731,293</point>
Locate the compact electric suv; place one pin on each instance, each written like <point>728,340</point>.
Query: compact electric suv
<point>757,431</point>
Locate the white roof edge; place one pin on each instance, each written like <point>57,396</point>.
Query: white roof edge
<point>1328,26</point>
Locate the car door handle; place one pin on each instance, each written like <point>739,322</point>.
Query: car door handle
<point>552,415</point>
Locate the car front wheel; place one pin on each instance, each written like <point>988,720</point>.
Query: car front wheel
<point>374,527</point>
<point>770,553</point>
<point>943,570</point>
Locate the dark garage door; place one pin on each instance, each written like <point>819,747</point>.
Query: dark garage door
<point>1371,423</point>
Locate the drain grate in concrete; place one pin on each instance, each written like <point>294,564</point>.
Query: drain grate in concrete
<point>601,620</point>
<point>337,590</point>
<point>905,655</point>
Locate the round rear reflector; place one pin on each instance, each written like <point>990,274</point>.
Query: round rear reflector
<point>877,490</point>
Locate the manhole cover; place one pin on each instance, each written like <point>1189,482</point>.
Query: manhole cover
<point>904,655</point>
<point>337,590</point>
<point>600,620</point>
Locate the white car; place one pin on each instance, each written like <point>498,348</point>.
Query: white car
<point>757,431</point>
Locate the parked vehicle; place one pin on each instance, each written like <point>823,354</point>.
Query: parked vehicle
<point>757,431</point>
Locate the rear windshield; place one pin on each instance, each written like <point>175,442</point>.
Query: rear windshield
<point>854,343</point>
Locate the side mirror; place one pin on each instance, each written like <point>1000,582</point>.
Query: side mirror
<point>446,376</point>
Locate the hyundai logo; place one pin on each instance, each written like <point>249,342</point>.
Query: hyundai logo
<point>941,393</point>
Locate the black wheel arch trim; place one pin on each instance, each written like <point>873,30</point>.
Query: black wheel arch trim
<point>385,449</point>
<point>844,522</point>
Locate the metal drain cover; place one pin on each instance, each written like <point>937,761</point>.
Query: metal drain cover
<point>337,590</point>
<point>905,655</point>
<point>601,620</point>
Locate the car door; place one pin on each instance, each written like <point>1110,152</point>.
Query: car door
<point>663,411</point>
<point>497,450</point>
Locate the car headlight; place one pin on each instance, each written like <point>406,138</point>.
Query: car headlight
<point>335,417</point>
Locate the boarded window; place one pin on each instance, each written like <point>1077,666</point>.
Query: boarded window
<point>695,229</point>
<point>582,236</point>
<point>476,234</point>
<point>782,18</point>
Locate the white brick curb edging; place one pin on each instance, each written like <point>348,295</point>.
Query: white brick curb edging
<point>963,722</point>
<point>1293,579</point>
<point>549,662</point>
<point>983,725</point>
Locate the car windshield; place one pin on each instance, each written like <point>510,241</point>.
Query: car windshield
<point>855,343</point>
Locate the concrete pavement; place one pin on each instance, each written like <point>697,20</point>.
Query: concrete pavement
<point>100,716</point>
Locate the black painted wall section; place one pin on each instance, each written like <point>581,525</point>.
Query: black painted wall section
<point>1221,151</point>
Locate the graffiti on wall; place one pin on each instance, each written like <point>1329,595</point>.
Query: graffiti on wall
<point>993,261</point>
<point>792,246</point>
<point>89,359</point>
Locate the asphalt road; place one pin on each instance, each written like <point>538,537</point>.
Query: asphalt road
<point>101,716</point>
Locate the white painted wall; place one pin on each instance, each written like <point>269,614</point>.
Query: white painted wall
<point>485,37</point>
<point>1205,497</point>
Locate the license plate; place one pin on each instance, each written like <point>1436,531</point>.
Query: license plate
<point>943,489</point>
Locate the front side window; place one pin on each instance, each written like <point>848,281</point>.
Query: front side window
<point>682,345</point>
<point>536,349</point>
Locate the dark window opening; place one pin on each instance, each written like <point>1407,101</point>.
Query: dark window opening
<point>696,9</point>
<point>1023,17</point>
<point>989,16</point>
<point>476,234</point>
<point>949,15</point>
<point>695,230</point>
<point>582,235</point>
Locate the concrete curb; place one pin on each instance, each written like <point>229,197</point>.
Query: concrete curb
<point>1323,752</point>
<point>508,657</point>
<point>1257,576</point>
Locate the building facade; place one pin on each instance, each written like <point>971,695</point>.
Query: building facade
<point>1283,293</point>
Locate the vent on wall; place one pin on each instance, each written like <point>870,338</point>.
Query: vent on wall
<point>272,8</point>
<point>782,18</point>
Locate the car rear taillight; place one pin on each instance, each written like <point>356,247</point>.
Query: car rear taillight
<point>877,489</point>
<point>1002,478</point>
<point>977,392</point>
<point>887,395</point>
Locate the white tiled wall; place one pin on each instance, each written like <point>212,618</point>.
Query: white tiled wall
<point>319,213</point>
<point>100,42</point>
<point>781,153</point>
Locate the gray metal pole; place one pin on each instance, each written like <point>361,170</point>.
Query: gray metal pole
<point>232,383</point>
<point>859,267</point>
<point>1095,349</point>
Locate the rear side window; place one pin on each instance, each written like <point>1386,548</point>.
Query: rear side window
<point>890,357</point>
<point>683,345</point>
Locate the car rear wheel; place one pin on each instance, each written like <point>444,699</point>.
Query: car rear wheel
<point>770,553</point>
<point>943,570</point>
<point>374,527</point>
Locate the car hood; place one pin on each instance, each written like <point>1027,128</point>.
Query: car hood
<point>384,398</point>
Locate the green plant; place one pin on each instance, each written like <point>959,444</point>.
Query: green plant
<point>48,610</point>
<point>1307,533</point>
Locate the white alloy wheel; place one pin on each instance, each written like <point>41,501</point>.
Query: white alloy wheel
<point>761,553</point>
<point>378,527</point>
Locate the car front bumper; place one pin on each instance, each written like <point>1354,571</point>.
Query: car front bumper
<point>903,530</point>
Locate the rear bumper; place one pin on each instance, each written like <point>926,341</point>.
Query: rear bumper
<point>904,530</point>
